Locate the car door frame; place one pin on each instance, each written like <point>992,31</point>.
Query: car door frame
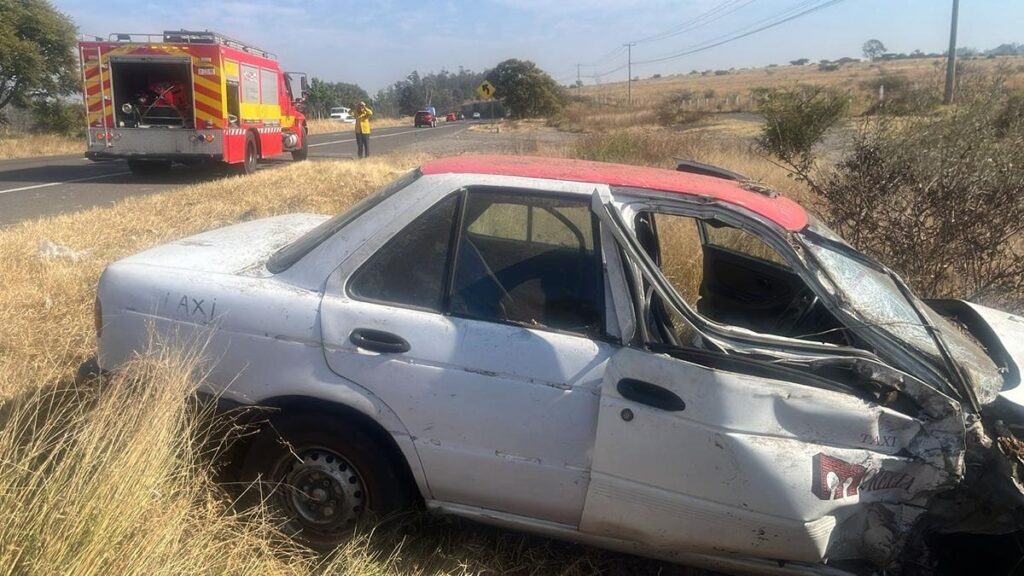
<point>437,494</point>
<point>608,505</point>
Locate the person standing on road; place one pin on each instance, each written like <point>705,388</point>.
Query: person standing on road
<point>363,114</point>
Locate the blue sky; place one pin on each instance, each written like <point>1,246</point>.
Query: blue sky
<point>375,43</point>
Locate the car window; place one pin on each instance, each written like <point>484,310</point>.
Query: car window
<point>742,242</point>
<point>410,269</point>
<point>529,260</point>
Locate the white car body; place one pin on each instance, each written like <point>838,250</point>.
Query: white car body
<point>530,428</point>
<point>342,114</point>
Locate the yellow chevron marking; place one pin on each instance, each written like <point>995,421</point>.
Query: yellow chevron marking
<point>212,103</point>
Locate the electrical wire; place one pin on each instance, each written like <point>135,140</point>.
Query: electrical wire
<point>797,11</point>
<point>717,13</point>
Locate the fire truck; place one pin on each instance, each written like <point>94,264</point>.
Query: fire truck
<point>189,97</point>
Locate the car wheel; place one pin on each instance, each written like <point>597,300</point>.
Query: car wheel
<point>248,165</point>
<point>320,477</point>
<point>303,152</point>
<point>149,167</point>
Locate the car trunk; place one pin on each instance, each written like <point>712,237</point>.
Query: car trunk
<point>240,249</point>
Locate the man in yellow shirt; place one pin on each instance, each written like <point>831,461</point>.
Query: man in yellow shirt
<point>362,114</point>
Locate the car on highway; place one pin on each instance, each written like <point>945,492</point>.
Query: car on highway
<point>342,114</point>
<point>476,115</point>
<point>681,364</point>
<point>450,117</point>
<point>425,118</point>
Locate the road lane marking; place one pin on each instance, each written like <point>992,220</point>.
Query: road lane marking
<point>372,136</point>
<point>72,181</point>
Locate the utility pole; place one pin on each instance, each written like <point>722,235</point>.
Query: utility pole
<point>629,72</point>
<point>951,59</point>
<point>579,82</point>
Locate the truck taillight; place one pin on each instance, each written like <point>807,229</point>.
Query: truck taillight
<point>97,317</point>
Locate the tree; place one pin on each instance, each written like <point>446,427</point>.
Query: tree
<point>526,90</point>
<point>326,95</point>
<point>37,53</point>
<point>800,62</point>
<point>795,121</point>
<point>873,49</point>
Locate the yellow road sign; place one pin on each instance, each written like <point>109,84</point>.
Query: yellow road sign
<point>485,90</point>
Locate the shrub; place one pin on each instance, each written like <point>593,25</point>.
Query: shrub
<point>903,97</point>
<point>55,117</point>
<point>796,120</point>
<point>939,198</point>
<point>675,110</point>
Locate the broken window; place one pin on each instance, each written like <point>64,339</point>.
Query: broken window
<point>729,276</point>
<point>529,260</point>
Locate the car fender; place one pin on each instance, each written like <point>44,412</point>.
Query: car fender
<point>259,339</point>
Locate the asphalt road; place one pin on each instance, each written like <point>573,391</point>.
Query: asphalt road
<point>35,187</point>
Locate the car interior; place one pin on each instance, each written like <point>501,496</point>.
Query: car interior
<point>530,261</point>
<point>734,279</point>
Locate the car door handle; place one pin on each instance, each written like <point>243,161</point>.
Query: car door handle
<point>379,341</point>
<point>650,395</point>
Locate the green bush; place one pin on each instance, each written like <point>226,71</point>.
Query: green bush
<point>676,110</point>
<point>55,117</point>
<point>796,120</point>
<point>903,97</point>
<point>940,198</point>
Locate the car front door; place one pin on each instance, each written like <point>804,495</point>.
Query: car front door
<point>699,450</point>
<point>481,324</point>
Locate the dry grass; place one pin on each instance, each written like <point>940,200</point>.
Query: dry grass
<point>648,93</point>
<point>115,479</point>
<point>327,126</point>
<point>29,145</point>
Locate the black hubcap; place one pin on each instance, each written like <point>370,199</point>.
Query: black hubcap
<point>322,490</point>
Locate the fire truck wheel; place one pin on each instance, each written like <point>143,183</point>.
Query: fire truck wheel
<point>149,167</point>
<point>303,152</point>
<point>248,165</point>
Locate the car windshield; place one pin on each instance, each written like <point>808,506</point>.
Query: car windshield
<point>875,298</point>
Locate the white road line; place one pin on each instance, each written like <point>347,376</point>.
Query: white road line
<point>373,137</point>
<point>47,185</point>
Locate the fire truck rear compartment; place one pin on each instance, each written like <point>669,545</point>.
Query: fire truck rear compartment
<point>158,91</point>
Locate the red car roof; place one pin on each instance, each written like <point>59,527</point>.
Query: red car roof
<point>780,210</point>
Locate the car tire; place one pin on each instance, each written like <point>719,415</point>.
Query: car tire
<point>320,476</point>
<point>249,157</point>
<point>303,152</point>
<point>149,167</point>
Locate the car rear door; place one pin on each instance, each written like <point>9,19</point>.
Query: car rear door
<point>698,450</point>
<point>455,326</point>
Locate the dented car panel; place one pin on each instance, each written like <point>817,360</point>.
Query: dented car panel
<point>583,416</point>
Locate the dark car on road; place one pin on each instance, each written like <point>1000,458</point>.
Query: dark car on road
<point>425,118</point>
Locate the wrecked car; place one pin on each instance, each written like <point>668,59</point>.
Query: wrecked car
<point>680,364</point>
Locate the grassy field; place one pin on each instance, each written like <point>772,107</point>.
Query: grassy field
<point>329,126</point>
<point>29,145</point>
<point>118,479</point>
<point>725,88</point>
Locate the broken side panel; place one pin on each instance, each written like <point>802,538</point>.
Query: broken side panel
<point>742,464</point>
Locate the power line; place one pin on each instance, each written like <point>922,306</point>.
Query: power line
<point>717,13</point>
<point>788,15</point>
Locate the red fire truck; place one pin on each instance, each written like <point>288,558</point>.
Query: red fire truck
<point>189,97</point>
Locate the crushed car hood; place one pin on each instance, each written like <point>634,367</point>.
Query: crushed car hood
<point>237,249</point>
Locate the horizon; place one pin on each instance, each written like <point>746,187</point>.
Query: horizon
<point>391,39</point>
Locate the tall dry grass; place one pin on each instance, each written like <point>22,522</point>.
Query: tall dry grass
<point>14,145</point>
<point>328,126</point>
<point>115,478</point>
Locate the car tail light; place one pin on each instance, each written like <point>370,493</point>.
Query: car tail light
<point>101,136</point>
<point>209,137</point>
<point>97,317</point>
